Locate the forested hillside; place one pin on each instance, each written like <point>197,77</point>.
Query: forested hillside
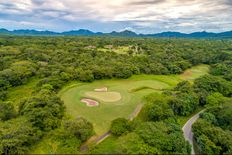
<point>33,70</point>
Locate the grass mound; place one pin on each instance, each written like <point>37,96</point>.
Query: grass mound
<point>141,88</point>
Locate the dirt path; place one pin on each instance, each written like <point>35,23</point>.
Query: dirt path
<point>99,139</point>
<point>135,112</point>
<point>187,129</point>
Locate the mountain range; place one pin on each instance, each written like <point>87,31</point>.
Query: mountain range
<point>126,33</point>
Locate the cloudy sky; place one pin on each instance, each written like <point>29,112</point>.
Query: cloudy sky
<point>141,16</point>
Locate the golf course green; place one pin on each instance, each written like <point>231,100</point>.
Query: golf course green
<point>121,98</point>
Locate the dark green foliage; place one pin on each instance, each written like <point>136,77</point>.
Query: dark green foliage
<point>43,112</point>
<point>184,104</point>
<point>213,131</point>
<point>67,143</point>
<point>85,75</point>
<point>80,128</point>
<point>119,126</point>
<point>4,85</point>
<point>228,76</point>
<point>184,87</point>
<point>3,95</point>
<point>223,115</point>
<point>209,117</point>
<point>166,138</point>
<point>132,143</point>
<point>16,136</point>
<point>215,99</point>
<point>54,82</point>
<point>7,111</point>
<point>18,73</point>
<point>207,146</point>
<point>223,69</point>
<point>157,108</point>
<point>210,84</point>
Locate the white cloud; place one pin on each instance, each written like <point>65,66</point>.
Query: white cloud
<point>169,14</point>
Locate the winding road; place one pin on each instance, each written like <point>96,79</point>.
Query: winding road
<point>187,129</point>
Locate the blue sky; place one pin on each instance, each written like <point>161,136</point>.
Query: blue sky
<point>141,16</point>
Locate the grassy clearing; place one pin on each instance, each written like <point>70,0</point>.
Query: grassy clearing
<point>17,94</point>
<point>118,50</point>
<point>195,72</point>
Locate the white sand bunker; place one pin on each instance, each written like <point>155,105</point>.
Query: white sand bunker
<point>103,89</point>
<point>90,102</point>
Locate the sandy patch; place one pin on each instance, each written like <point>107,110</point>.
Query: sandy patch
<point>103,89</point>
<point>90,102</point>
<point>187,74</point>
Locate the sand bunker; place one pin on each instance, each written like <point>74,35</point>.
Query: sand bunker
<point>103,89</point>
<point>89,102</point>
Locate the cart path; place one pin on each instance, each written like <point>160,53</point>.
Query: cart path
<point>108,133</point>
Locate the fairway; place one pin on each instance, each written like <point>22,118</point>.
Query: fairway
<point>104,96</point>
<point>117,102</point>
<point>121,97</point>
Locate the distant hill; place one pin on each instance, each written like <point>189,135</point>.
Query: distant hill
<point>4,31</point>
<point>168,34</point>
<point>81,32</point>
<point>126,33</point>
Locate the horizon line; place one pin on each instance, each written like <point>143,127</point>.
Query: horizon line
<point>112,31</point>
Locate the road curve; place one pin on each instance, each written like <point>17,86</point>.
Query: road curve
<point>187,129</point>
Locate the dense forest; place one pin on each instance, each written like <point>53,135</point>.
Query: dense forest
<point>55,61</point>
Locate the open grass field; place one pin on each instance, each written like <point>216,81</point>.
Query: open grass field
<point>122,96</point>
<point>17,94</point>
<point>195,72</point>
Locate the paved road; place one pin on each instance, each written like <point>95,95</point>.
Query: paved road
<point>187,129</point>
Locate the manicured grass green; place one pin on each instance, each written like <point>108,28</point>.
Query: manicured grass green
<point>132,91</point>
<point>104,96</point>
